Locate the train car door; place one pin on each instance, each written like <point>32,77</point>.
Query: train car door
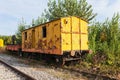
<point>33,38</point>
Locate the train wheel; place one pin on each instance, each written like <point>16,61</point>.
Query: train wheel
<point>60,61</point>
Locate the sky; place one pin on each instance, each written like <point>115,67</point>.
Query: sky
<point>12,12</point>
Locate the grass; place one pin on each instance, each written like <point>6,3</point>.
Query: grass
<point>101,69</point>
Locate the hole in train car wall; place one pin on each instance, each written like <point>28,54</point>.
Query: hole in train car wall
<point>25,35</point>
<point>65,21</point>
<point>44,32</point>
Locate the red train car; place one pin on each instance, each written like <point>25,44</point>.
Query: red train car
<point>13,47</point>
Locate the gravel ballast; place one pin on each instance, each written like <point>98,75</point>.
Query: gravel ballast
<point>39,71</point>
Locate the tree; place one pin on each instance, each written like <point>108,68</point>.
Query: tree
<point>33,22</point>
<point>63,8</point>
<point>7,39</point>
<point>104,38</point>
<point>21,27</point>
<point>40,20</point>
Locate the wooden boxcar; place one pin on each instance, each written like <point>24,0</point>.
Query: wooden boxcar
<point>67,35</point>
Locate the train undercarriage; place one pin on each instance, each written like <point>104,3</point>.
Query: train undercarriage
<point>66,57</point>
<point>58,59</point>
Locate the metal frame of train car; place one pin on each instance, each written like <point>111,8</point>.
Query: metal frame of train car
<point>14,47</point>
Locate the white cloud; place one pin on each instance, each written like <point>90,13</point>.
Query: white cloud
<point>105,8</point>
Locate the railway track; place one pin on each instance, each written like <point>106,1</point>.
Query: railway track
<point>90,76</point>
<point>8,72</point>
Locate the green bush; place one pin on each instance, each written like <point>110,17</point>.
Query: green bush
<point>105,38</point>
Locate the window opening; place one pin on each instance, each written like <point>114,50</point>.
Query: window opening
<point>44,32</point>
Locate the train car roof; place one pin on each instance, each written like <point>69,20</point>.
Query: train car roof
<point>51,21</point>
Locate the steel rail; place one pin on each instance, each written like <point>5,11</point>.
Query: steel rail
<point>27,77</point>
<point>91,74</point>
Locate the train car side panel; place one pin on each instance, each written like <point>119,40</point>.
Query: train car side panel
<point>44,38</point>
<point>66,34</point>
<point>56,38</point>
<point>50,36</point>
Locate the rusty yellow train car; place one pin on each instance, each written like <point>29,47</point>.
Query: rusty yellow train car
<point>64,36</point>
<point>1,43</point>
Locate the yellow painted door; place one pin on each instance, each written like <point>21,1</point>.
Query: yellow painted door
<point>56,35</point>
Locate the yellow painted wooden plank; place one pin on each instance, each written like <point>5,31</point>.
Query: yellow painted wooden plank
<point>66,42</point>
<point>75,33</point>
<point>84,35</point>
<point>84,42</point>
